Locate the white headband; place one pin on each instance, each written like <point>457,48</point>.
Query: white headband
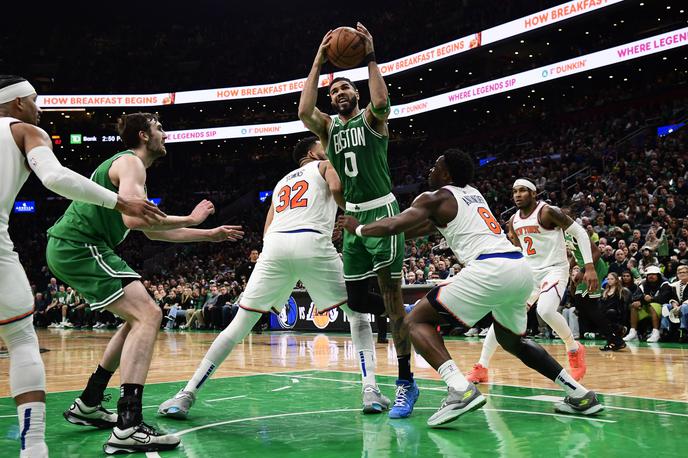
<point>525,183</point>
<point>11,92</point>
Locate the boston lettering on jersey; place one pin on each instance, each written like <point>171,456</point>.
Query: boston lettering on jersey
<point>348,138</point>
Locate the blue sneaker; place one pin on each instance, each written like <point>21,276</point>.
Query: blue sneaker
<point>407,395</point>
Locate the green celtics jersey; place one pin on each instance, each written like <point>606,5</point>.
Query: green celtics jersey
<point>88,223</point>
<point>600,266</point>
<point>359,155</point>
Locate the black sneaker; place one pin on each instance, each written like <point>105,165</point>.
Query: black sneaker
<point>614,346</point>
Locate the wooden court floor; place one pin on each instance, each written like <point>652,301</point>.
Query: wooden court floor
<point>296,394</point>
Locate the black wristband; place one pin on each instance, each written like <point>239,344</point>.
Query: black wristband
<point>370,57</point>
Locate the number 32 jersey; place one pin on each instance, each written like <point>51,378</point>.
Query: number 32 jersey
<point>475,230</point>
<point>544,248</point>
<point>302,200</point>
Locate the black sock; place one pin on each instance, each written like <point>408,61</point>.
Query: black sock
<point>95,388</point>
<point>129,406</point>
<point>404,362</point>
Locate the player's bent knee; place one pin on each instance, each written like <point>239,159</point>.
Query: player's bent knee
<point>27,372</point>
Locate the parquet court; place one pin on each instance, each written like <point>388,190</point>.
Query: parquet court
<point>289,394</point>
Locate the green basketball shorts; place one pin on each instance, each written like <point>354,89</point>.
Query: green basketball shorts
<point>95,271</point>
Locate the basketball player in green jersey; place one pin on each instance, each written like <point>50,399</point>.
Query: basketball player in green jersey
<point>81,253</point>
<point>356,144</point>
<point>587,302</point>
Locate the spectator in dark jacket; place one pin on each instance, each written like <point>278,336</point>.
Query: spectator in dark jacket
<point>647,303</point>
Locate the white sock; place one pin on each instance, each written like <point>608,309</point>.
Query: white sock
<point>362,338</point>
<point>489,348</point>
<point>222,346</point>
<point>31,424</point>
<point>572,387</point>
<point>452,376</point>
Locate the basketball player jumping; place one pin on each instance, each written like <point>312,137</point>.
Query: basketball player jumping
<point>25,147</point>
<point>297,246</point>
<point>356,144</point>
<point>539,229</point>
<point>81,253</point>
<point>495,279</point>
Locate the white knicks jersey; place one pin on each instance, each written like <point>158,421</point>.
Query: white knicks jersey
<point>475,230</point>
<point>543,248</point>
<point>13,174</point>
<point>302,200</point>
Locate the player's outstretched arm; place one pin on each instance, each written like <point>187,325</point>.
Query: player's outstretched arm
<point>67,183</point>
<point>421,209</point>
<point>553,217</point>
<point>130,174</point>
<point>186,235</point>
<point>427,227</point>
<point>315,120</point>
<point>379,96</point>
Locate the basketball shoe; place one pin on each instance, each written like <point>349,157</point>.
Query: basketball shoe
<point>478,374</point>
<point>585,405</point>
<point>98,416</point>
<point>141,438</point>
<point>406,397</point>
<point>577,363</point>
<point>178,406</point>
<point>456,404</point>
<point>373,400</point>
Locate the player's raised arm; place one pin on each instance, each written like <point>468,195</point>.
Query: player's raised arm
<point>67,183</point>
<point>421,209</point>
<point>379,97</point>
<point>315,120</point>
<point>553,216</point>
<point>186,235</point>
<point>334,183</point>
<point>130,174</point>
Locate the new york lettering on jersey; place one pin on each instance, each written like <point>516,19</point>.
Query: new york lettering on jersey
<point>302,200</point>
<point>544,248</point>
<point>475,230</point>
<point>359,155</point>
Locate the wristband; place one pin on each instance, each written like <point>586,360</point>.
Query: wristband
<point>370,57</point>
<point>359,230</point>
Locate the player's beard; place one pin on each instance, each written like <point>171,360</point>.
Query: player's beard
<point>352,103</point>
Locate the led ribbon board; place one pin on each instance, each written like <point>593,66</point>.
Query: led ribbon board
<point>510,29</point>
<point>611,56</point>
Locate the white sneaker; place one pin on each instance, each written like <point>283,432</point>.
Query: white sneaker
<point>632,335</point>
<point>484,332</point>
<point>654,337</point>
<point>67,324</point>
<point>373,400</point>
<point>53,325</point>
<point>98,325</point>
<point>178,406</point>
<point>141,438</point>
<point>97,416</point>
<point>472,332</point>
<point>120,325</point>
<point>183,326</point>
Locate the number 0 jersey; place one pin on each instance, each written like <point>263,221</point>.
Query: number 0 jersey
<point>302,200</point>
<point>359,155</point>
<point>475,230</point>
<point>544,248</point>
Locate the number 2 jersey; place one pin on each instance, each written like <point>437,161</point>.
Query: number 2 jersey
<point>475,230</point>
<point>545,249</point>
<point>302,200</point>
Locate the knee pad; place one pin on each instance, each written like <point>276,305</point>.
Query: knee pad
<point>27,372</point>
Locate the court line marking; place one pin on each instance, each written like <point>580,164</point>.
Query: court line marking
<point>8,416</point>
<point>522,398</point>
<point>282,388</point>
<point>152,455</point>
<point>316,412</point>
<point>226,399</point>
<point>526,387</point>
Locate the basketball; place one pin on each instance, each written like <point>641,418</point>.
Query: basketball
<point>346,49</point>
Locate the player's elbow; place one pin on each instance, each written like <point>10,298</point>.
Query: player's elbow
<point>135,224</point>
<point>305,114</point>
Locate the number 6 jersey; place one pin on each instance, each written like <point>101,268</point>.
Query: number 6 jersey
<point>475,230</point>
<point>302,200</point>
<point>544,248</point>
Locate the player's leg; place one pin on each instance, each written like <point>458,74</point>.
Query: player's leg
<point>578,399</point>
<point>462,395</point>
<point>270,285</point>
<point>26,371</point>
<point>547,308</point>
<point>27,385</point>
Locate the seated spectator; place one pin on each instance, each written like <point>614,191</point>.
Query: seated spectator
<point>411,278</point>
<point>209,305</point>
<point>40,317</point>
<point>681,252</point>
<point>620,262</point>
<point>647,303</point>
<point>676,311</point>
<point>170,306</point>
<point>195,310</point>
<point>442,271</point>
<point>614,305</point>
<point>648,259</point>
<point>567,308</point>
<point>420,277</point>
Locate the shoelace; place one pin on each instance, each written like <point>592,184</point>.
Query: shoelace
<point>106,398</point>
<point>400,400</point>
<point>148,429</point>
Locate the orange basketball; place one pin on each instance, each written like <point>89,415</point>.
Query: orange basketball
<point>346,49</point>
